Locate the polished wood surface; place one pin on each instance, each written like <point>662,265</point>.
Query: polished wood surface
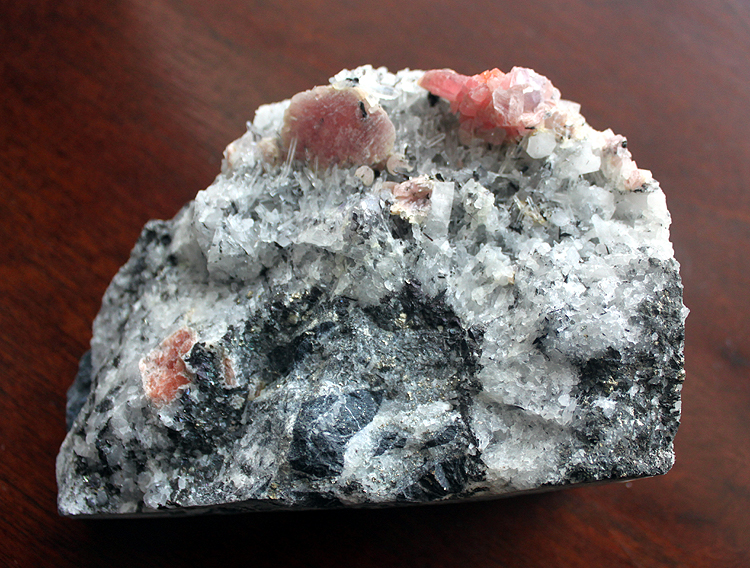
<point>112,113</point>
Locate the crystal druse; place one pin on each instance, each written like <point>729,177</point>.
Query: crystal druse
<point>401,288</point>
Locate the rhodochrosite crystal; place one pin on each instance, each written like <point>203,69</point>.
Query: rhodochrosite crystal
<point>336,125</point>
<point>401,288</point>
<point>494,103</point>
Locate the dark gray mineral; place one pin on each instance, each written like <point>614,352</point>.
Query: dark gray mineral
<point>461,320</point>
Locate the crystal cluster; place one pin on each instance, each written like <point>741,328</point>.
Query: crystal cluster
<point>387,297</point>
<point>493,104</point>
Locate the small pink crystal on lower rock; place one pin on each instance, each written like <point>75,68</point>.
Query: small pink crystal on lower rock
<point>618,163</point>
<point>336,125</point>
<point>411,199</point>
<point>494,105</point>
<point>163,370</point>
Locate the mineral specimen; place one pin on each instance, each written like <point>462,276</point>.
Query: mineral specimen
<point>385,298</point>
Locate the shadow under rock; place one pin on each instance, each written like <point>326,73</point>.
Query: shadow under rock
<point>413,535</point>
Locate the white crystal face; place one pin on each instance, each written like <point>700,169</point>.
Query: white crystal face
<point>462,320</point>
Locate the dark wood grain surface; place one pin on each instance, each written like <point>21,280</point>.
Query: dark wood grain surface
<point>116,112</point>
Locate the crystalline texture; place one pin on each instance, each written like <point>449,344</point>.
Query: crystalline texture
<point>336,125</point>
<point>512,103</point>
<point>445,317</point>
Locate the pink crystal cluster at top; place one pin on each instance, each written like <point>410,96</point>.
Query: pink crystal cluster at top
<point>494,105</point>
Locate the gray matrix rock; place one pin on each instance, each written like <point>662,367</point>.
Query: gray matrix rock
<point>402,288</point>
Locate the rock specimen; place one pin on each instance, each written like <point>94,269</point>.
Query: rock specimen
<point>386,297</point>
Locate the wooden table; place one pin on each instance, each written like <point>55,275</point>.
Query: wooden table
<point>112,113</point>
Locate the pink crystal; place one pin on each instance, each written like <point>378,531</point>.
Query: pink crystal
<point>163,370</point>
<point>494,105</point>
<point>617,162</point>
<point>333,125</point>
<point>411,198</point>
